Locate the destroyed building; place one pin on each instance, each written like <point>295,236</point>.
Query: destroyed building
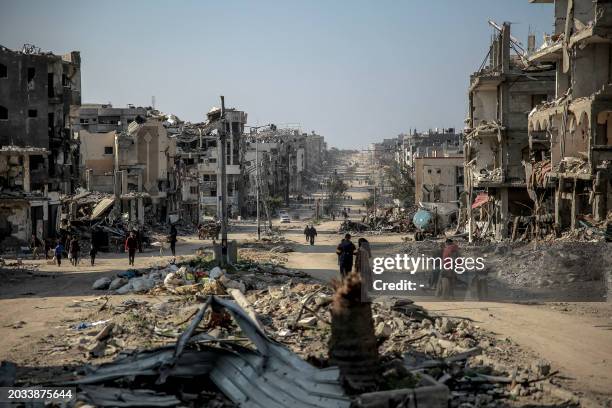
<point>136,166</point>
<point>198,164</point>
<point>570,137</point>
<point>283,158</point>
<point>38,157</point>
<point>102,118</point>
<point>501,95</point>
<point>36,91</point>
<point>438,179</point>
<point>437,142</point>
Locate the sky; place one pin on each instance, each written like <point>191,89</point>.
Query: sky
<point>353,71</point>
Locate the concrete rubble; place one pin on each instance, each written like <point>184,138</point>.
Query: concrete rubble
<point>441,357</point>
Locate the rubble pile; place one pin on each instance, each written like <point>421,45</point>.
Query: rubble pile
<point>200,276</point>
<point>567,269</point>
<point>389,220</point>
<point>454,356</point>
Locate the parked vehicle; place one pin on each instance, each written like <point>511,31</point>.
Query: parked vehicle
<point>284,218</point>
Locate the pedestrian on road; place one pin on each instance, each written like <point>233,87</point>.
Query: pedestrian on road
<point>93,251</point>
<point>36,246</point>
<point>75,250</point>
<point>173,233</point>
<point>446,287</point>
<point>59,252</point>
<point>47,248</point>
<point>312,234</point>
<point>345,251</point>
<point>307,233</point>
<point>363,268</point>
<point>131,245</point>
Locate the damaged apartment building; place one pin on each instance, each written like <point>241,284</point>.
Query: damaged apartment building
<point>38,158</point>
<point>496,142</point>
<point>569,170</point>
<point>134,163</point>
<point>198,165</point>
<point>288,160</point>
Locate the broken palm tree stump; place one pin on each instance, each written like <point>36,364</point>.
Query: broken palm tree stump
<point>352,346</point>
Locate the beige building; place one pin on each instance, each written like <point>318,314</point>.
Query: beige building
<point>571,137</point>
<point>438,179</point>
<point>137,164</point>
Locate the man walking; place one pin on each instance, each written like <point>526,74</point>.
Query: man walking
<point>173,233</point>
<point>59,252</point>
<point>131,244</point>
<point>93,251</point>
<point>75,250</point>
<point>312,235</point>
<point>345,251</point>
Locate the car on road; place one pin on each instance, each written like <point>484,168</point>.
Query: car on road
<point>284,218</point>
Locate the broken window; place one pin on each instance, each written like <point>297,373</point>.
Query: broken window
<point>108,149</point>
<point>32,113</point>
<point>31,74</point>
<point>193,190</point>
<point>3,113</point>
<point>65,81</point>
<point>3,71</point>
<point>50,85</point>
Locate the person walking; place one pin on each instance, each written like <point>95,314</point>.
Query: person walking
<point>173,234</point>
<point>307,233</point>
<point>446,287</point>
<point>74,249</point>
<point>345,251</point>
<point>363,268</point>
<point>36,245</point>
<point>313,234</point>
<point>131,245</point>
<point>93,251</point>
<point>59,252</point>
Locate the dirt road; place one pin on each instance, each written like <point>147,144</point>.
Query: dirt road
<point>576,338</point>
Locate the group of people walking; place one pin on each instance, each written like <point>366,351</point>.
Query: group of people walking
<point>442,281</point>
<point>310,233</point>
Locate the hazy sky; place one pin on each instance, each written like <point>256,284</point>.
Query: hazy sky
<point>354,71</point>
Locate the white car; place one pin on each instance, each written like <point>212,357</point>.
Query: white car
<point>284,218</point>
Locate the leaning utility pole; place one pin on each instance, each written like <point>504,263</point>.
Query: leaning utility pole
<point>223,142</point>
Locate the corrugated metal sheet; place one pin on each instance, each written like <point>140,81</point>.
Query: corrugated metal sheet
<point>269,377</point>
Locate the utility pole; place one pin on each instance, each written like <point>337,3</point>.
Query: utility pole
<point>223,142</point>
<point>257,186</point>
<point>374,200</point>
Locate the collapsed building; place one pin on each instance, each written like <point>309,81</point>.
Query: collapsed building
<point>496,141</point>
<point>136,166</point>
<point>38,157</point>
<point>198,164</point>
<point>570,137</point>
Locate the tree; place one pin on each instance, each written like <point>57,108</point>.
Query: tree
<point>335,188</point>
<point>402,184</point>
